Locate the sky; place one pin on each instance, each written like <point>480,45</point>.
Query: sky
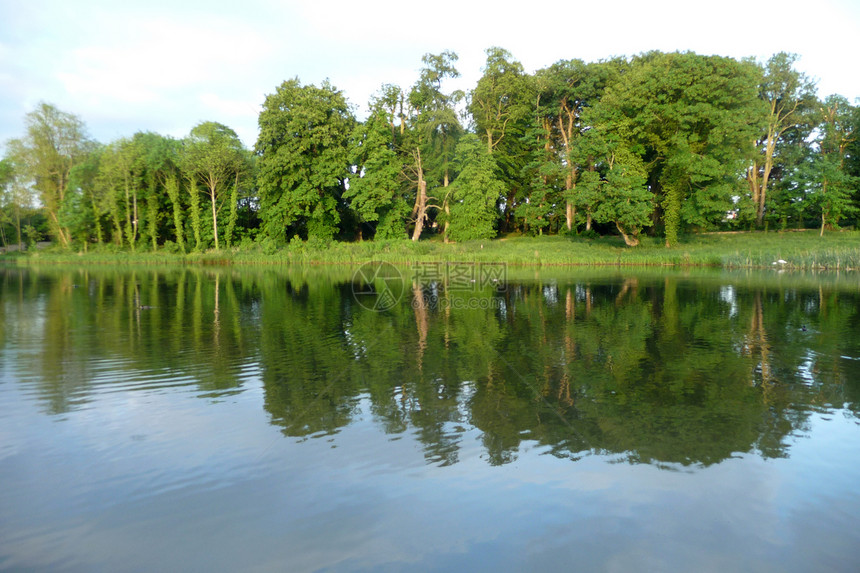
<point>167,65</point>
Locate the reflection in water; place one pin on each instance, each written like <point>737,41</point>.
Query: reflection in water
<point>652,369</point>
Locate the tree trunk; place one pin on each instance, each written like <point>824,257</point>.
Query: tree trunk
<point>765,176</point>
<point>18,228</point>
<point>214,216</point>
<point>420,208</point>
<point>630,239</point>
<point>419,211</point>
<point>447,208</point>
<point>135,221</point>
<point>63,239</point>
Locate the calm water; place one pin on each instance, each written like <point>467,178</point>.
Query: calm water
<point>234,419</point>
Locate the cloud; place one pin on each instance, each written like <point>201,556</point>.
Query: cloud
<point>163,65</point>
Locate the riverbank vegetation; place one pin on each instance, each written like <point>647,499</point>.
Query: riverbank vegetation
<point>649,151</point>
<point>773,250</point>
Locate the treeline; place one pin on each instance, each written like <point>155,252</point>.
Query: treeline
<point>658,143</point>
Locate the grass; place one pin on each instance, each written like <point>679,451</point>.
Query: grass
<point>801,250</point>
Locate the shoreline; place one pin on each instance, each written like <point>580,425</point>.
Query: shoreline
<point>789,250</point>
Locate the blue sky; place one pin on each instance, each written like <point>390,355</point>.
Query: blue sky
<point>164,66</point>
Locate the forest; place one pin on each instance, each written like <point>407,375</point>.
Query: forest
<point>657,144</point>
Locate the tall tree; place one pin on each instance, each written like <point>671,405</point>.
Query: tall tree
<point>432,135</point>
<point>830,184</point>
<point>120,183</point>
<point>14,198</point>
<point>437,123</point>
<point>172,187</point>
<point>624,196</point>
<point>692,120</point>
<point>214,156</point>
<point>788,96</point>
<point>54,143</point>
<point>161,157</point>
<point>375,187</point>
<point>569,88</point>
<point>475,191</point>
<point>303,151</point>
<point>500,106</point>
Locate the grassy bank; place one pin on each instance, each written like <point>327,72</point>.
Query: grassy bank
<point>800,250</point>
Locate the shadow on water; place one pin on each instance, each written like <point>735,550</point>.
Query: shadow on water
<point>648,367</point>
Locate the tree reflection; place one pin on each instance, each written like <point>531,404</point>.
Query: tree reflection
<point>650,369</point>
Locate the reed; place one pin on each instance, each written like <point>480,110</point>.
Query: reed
<point>798,250</point>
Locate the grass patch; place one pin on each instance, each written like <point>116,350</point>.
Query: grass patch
<point>800,250</point>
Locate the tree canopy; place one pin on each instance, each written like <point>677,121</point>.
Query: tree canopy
<point>658,144</point>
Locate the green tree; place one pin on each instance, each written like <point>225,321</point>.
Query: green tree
<point>500,106</point>
<point>194,209</point>
<point>121,185</point>
<point>79,211</point>
<point>55,142</point>
<point>566,90</point>
<point>172,187</point>
<point>16,198</point>
<point>788,96</point>
<point>375,187</point>
<point>692,119</point>
<point>830,185</point>
<point>435,129</point>
<point>303,151</point>
<point>161,156</point>
<point>214,156</point>
<point>475,191</point>
<point>625,198</point>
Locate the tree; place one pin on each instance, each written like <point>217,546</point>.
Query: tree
<point>55,142</point>
<point>14,198</point>
<point>161,158</point>
<point>79,212</point>
<point>500,106</point>
<point>788,96</point>
<point>214,156</point>
<point>625,198</point>
<point>435,131</point>
<point>375,186</point>
<point>172,187</point>
<point>303,151</point>
<point>475,191</point>
<point>120,184</point>
<point>497,102</point>
<point>567,89</point>
<point>831,186</point>
<point>692,120</point>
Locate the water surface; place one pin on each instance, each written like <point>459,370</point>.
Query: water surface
<point>241,419</point>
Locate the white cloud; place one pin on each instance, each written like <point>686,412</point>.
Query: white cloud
<point>167,65</point>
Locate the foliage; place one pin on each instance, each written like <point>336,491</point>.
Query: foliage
<point>475,191</point>
<point>691,119</point>
<point>660,144</point>
<point>55,142</point>
<point>788,100</point>
<point>214,156</point>
<point>374,191</point>
<point>829,183</point>
<point>303,159</point>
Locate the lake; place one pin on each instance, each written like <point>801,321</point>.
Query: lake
<point>435,418</point>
